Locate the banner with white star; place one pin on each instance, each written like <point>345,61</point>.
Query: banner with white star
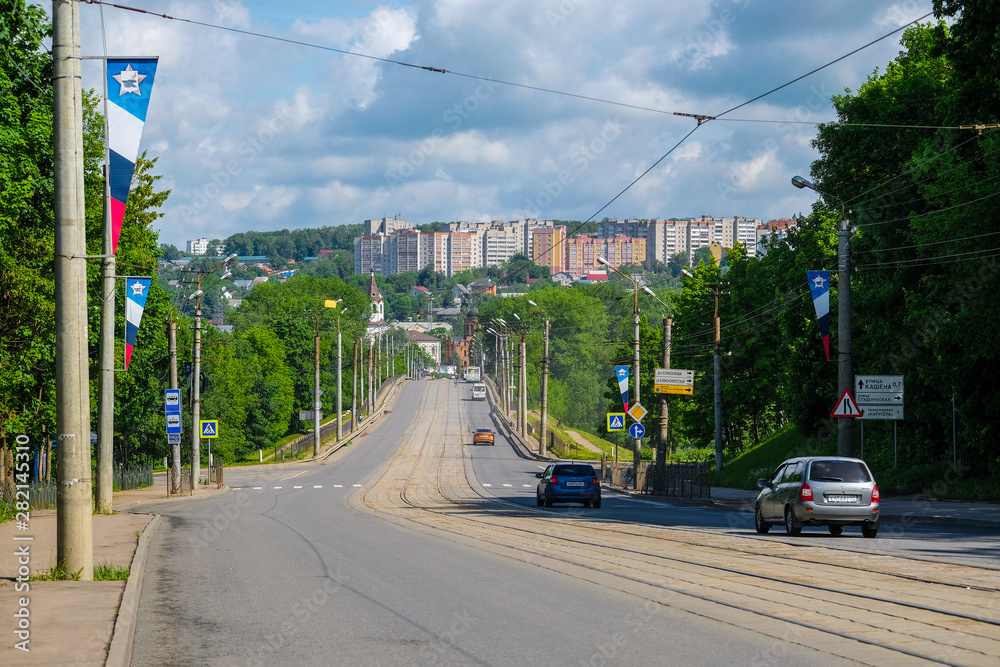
<point>130,81</point>
<point>136,291</point>
<point>622,373</point>
<point>819,285</point>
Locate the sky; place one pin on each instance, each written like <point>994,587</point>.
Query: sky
<point>548,109</point>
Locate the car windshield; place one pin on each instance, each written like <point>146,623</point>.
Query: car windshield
<point>839,471</point>
<point>574,471</point>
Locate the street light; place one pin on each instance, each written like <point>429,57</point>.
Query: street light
<point>664,407</point>
<point>717,371</point>
<point>845,427</point>
<point>196,393</point>
<point>637,445</point>
<point>545,382</point>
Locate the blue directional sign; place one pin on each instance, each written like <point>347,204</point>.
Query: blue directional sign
<point>210,428</point>
<point>637,430</point>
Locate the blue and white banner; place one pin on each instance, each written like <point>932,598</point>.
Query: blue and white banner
<point>622,374</point>
<point>136,291</point>
<point>819,285</point>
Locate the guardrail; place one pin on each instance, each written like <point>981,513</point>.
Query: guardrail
<point>675,480</point>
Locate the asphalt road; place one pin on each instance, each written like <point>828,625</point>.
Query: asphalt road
<point>287,569</point>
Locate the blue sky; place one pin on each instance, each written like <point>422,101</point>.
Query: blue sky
<point>257,134</point>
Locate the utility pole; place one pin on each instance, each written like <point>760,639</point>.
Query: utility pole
<point>175,449</point>
<point>637,449</point>
<point>340,385</point>
<point>354,386</point>
<point>74,507</point>
<point>522,399</point>
<point>718,386</point>
<point>664,433</point>
<point>317,403</point>
<point>845,427</point>
<point>545,389</point>
<point>196,399</point>
<point>106,382</point>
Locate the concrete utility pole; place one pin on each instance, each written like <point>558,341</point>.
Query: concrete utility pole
<point>196,400</point>
<point>106,381</point>
<point>175,449</point>
<point>664,417</point>
<point>637,450</point>
<point>845,376</point>
<point>545,390</point>
<point>340,384</point>
<point>718,387</point>
<point>522,402</point>
<point>354,387</point>
<point>317,403</point>
<point>74,507</point>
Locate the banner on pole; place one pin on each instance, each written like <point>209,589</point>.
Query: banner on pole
<point>819,285</point>
<point>136,291</point>
<point>621,372</point>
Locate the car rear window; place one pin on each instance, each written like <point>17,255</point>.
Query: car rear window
<point>575,471</point>
<point>839,471</point>
<point>484,430</point>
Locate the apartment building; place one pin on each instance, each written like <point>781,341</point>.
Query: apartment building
<point>582,252</point>
<point>197,247</point>
<point>548,248</point>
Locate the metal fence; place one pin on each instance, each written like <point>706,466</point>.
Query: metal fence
<point>179,485</point>
<point>676,480</point>
<point>134,477</point>
<point>41,496</point>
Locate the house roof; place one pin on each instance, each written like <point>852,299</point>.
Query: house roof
<point>420,337</point>
<point>421,288</point>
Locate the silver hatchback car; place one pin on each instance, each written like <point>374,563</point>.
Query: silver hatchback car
<point>827,491</point>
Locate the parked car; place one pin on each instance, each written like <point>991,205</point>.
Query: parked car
<point>483,436</point>
<point>827,491</point>
<point>568,483</point>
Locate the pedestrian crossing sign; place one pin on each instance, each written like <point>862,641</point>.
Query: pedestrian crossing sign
<point>210,428</point>
<point>616,421</point>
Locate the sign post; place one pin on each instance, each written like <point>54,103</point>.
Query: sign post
<point>881,397</point>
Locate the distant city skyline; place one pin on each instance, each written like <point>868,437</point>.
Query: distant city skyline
<point>257,134</point>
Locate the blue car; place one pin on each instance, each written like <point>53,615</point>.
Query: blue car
<point>568,483</point>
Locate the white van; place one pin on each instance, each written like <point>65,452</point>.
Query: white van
<point>479,392</point>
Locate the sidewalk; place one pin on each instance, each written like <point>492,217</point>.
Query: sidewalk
<point>78,622</point>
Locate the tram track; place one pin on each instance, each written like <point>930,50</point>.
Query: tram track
<point>873,609</point>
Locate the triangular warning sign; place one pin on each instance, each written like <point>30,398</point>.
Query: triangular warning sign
<point>846,406</point>
<point>208,428</point>
<point>616,422</point>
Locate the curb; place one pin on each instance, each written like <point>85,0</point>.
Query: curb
<point>120,651</point>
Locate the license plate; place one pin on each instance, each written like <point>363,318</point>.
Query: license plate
<point>842,499</point>
<point>574,483</point>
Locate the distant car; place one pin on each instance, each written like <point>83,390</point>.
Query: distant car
<point>568,483</point>
<point>819,491</point>
<point>482,435</point>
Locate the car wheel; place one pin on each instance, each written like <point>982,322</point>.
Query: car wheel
<point>597,504</point>
<point>548,500</point>
<point>538,499</point>
<point>758,522</point>
<point>836,530</point>
<point>791,528</point>
<point>586,503</point>
<point>869,529</point>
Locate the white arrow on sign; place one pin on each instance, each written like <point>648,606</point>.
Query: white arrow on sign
<point>676,376</point>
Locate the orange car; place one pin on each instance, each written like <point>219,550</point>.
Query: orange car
<point>483,435</point>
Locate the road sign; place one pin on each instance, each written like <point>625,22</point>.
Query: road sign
<point>673,389</point>
<point>173,423</point>
<point>616,421</point>
<point>173,438</point>
<point>636,430</point>
<point>882,412</point>
<point>637,412</point>
<point>673,376</point>
<point>318,405</point>
<point>309,415</point>
<point>878,389</point>
<point>172,400</point>
<point>210,428</point>
<point>846,406</point>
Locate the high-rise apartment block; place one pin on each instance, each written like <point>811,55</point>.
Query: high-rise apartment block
<point>197,247</point>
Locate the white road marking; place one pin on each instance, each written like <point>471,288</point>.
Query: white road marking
<point>296,487</point>
<point>487,485</point>
<point>258,488</point>
<point>338,486</point>
<point>285,479</point>
<point>317,486</point>
<point>357,485</point>
<point>527,486</point>
<point>277,487</point>
<point>508,485</point>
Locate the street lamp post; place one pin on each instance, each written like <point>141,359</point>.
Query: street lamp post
<point>542,442</point>
<point>845,427</point>
<point>522,379</point>
<point>196,378</point>
<point>661,453</point>
<point>637,445</point>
